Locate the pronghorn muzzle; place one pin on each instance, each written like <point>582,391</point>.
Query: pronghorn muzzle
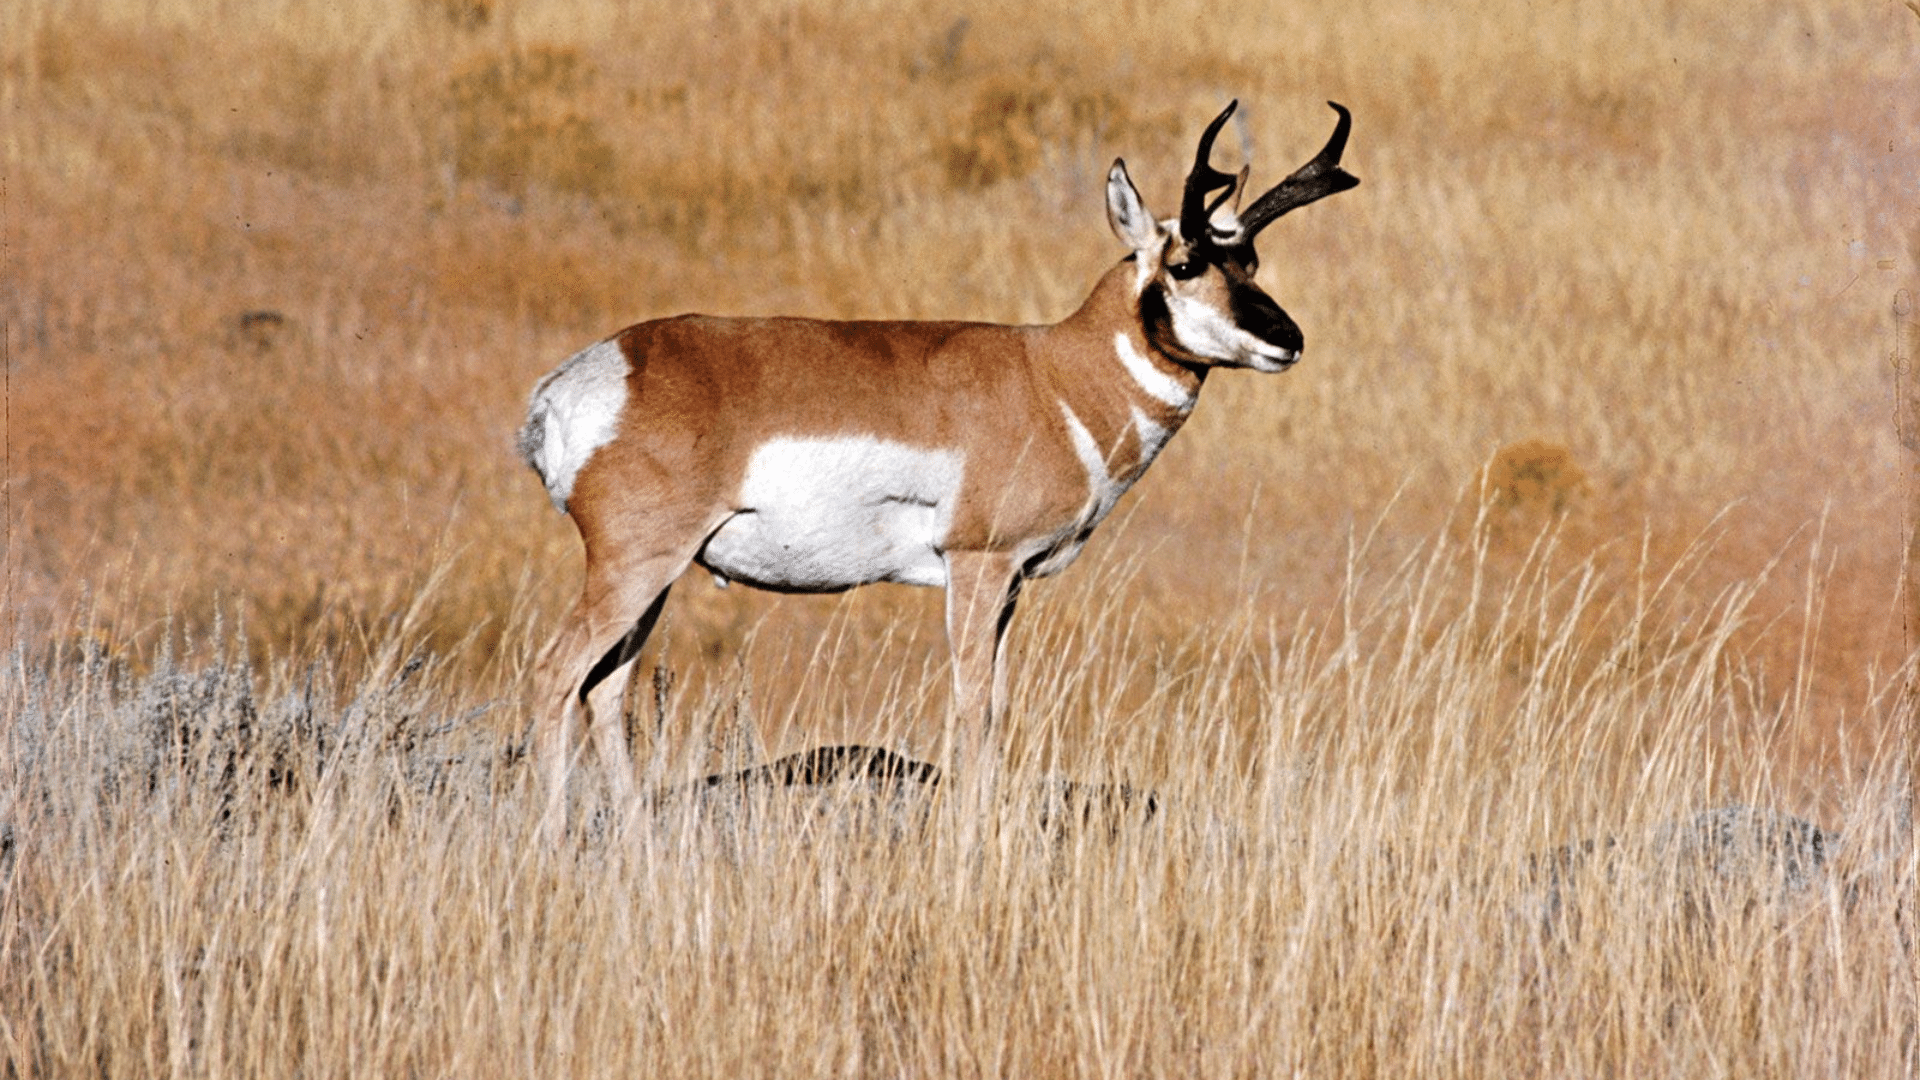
<point>1253,311</point>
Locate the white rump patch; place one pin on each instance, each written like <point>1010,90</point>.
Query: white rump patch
<point>572,413</point>
<point>1157,383</point>
<point>819,515</point>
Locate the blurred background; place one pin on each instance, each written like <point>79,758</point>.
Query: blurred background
<point>278,276</point>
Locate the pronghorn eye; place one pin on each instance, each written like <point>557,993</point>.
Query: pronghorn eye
<point>1186,271</point>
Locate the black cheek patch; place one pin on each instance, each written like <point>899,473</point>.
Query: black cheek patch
<point>1158,320</point>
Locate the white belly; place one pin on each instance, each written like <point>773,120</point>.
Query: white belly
<point>817,515</point>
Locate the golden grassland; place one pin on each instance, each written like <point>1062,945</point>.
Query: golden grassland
<point>1582,516</point>
<point>1472,838</point>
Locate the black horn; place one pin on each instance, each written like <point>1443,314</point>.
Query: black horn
<point>1315,180</point>
<point>1203,181</point>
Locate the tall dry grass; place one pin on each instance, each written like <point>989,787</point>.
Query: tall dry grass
<point>1582,518</point>
<point>1451,828</point>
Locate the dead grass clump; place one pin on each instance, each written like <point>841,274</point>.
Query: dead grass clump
<point>1005,133</point>
<point>87,58</point>
<point>459,14</point>
<point>518,123</point>
<point>1534,478</point>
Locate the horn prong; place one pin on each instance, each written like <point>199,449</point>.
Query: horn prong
<point>1313,181</point>
<point>1204,179</point>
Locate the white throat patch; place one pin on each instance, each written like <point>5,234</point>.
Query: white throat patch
<point>1158,384</point>
<point>1103,488</point>
<point>1152,437</point>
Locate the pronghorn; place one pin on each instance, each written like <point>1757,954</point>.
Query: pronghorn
<point>804,455</point>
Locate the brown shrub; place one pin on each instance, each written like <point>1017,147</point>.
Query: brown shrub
<point>1534,478</point>
<point>519,123</point>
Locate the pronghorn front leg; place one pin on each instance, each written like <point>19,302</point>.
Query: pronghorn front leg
<point>981,590</point>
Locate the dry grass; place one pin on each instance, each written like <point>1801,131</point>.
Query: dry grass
<point>1470,838</point>
<point>278,276</point>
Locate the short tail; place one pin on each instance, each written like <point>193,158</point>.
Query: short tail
<point>532,443</point>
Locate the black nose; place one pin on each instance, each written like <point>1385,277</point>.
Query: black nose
<point>1257,314</point>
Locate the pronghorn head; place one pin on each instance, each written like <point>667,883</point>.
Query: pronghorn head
<point>1198,299</point>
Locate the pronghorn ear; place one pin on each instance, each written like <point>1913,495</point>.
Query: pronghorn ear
<point>1125,212</point>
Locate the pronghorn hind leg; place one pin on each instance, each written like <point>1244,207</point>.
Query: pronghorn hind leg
<point>605,693</point>
<point>592,653</point>
<point>981,590</point>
